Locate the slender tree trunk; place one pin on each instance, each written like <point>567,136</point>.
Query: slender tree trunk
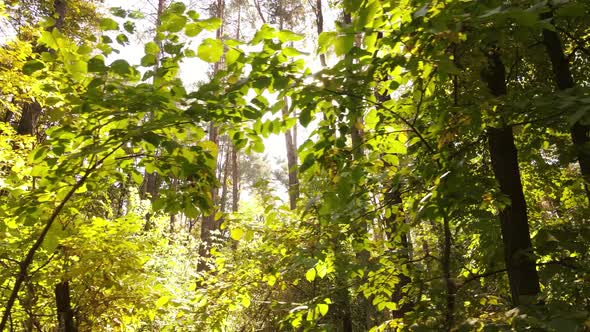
<point>209,224</point>
<point>235,180</point>
<point>319,15</point>
<point>292,165</point>
<point>151,183</point>
<point>518,251</point>
<point>394,201</point>
<point>449,283</point>
<point>225,169</point>
<point>290,144</point>
<point>65,313</point>
<point>565,80</point>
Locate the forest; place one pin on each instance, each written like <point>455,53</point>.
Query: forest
<point>295,165</point>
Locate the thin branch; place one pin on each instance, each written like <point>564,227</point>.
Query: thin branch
<point>28,260</point>
<point>398,116</point>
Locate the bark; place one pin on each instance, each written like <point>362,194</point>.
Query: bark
<point>319,15</point>
<point>65,313</point>
<point>449,283</point>
<point>209,224</point>
<point>225,171</point>
<point>565,80</point>
<point>394,199</point>
<point>235,180</point>
<point>151,182</point>
<point>522,272</point>
<point>259,10</point>
<point>290,143</point>
<point>31,112</point>
<point>292,165</point>
<point>29,119</point>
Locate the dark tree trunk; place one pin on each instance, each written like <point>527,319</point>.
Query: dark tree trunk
<point>319,14</point>
<point>29,119</point>
<point>27,124</point>
<point>392,230</point>
<point>65,313</point>
<point>518,251</point>
<point>565,80</point>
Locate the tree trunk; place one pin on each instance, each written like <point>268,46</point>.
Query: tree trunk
<point>518,251</point>
<point>65,313</point>
<point>235,180</point>
<point>291,164</point>
<point>565,80</point>
<point>394,199</point>
<point>29,119</point>
<point>31,112</point>
<point>209,224</point>
<point>319,15</point>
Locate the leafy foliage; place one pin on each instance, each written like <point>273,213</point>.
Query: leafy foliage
<point>397,225</point>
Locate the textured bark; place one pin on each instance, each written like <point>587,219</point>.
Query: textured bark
<point>565,80</point>
<point>209,224</point>
<point>522,272</point>
<point>29,119</point>
<point>65,313</point>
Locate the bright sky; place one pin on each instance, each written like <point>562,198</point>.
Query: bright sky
<point>194,70</point>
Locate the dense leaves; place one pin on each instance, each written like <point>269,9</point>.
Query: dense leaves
<point>402,214</point>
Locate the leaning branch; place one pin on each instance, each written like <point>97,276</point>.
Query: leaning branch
<point>28,260</point>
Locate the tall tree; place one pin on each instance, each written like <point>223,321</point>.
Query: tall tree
<point>518,251</point>
<point>564,80</point>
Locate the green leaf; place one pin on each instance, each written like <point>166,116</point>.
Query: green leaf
<point>173,22</point>
<point>237,233</point>
<point>232,56</point>
<point>323,308</point>
<point>48,39</point>
<point>305,117</point>
<point>122,39</point>
<point>162,301</point>
<point>190,210</point>
<point>367,15</point>
<point>121,67</point>
<point>288,36</point>
<point>176,7</point>
<point>96,65</point>
<point>152,48</point>
<point>310,274</point>
<point>210,50</point>
<point>107,24</point>
<point>193,29</point>
<point>325,41</point>
<point>119,12</point>
<point>210,24</point>
<point>149,60</point>
<point>343,43</point>
<point>32,66</point>
<point>129,26</point>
